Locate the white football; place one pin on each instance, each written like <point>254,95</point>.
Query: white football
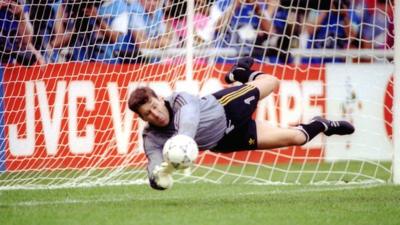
<point>180,151</point>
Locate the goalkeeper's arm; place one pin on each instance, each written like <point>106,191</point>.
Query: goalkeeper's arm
<point>188,114</point>
<point>159,172</point>
<point>161,177</point>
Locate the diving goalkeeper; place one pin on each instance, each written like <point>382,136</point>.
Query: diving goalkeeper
<point>220,122</point>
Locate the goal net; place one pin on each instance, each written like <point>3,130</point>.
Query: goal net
<point>68,67</point>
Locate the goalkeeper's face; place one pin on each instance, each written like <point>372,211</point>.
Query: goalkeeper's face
<point>155,112</point>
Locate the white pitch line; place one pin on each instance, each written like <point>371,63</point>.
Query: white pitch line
<point>305,190</point>
<point>127,198</point>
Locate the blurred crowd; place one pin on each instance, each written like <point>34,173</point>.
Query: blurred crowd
<point>117,31</point>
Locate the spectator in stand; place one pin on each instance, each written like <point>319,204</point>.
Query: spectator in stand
<point>42,14</point>
<point>147,25</point>
<point>176,20</point>
<point>217,13</point>
<point>91,29</point>
<point>16,35</point>
<point>112,21</point>
<point>328,29</point>
<point>256,28</point>
<point>73,30</point>
<point>277,28</point>
<point>377,29</point>
<point>239,24</point>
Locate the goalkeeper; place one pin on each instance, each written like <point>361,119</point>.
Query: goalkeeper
<point>221,122</point>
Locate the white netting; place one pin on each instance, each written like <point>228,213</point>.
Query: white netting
<point>68,67</point>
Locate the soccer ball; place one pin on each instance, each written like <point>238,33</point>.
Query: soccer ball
<point>180,151</point>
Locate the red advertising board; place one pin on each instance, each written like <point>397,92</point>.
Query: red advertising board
<point>74,115</point>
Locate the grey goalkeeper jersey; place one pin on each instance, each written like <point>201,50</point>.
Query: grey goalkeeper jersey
<point>202,118</point>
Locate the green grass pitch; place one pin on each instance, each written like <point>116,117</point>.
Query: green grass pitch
<point>232,201</point>
<point>204,204</point>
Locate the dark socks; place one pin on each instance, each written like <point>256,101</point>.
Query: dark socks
<point>243,75</point>
<point>312,129</point>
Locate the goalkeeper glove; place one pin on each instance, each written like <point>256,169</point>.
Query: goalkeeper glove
<point>161,177</point>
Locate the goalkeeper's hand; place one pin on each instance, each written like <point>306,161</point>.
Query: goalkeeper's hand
<point>162,176</point>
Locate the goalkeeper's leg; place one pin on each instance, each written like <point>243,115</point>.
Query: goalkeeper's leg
<point>243,73</point>
<point>269,137</point>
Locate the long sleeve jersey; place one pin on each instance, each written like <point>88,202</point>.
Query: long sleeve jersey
<point>202,118</point>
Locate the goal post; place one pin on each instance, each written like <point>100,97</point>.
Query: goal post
<point>64,117</point>
<point>189,40</point>
<point>396,105</point>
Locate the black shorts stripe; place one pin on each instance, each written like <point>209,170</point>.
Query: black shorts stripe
<point>233,95</point>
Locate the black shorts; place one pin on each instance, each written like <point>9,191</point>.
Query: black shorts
<point>239,103</point>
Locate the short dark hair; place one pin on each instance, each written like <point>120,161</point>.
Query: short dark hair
<point>139,97</point>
